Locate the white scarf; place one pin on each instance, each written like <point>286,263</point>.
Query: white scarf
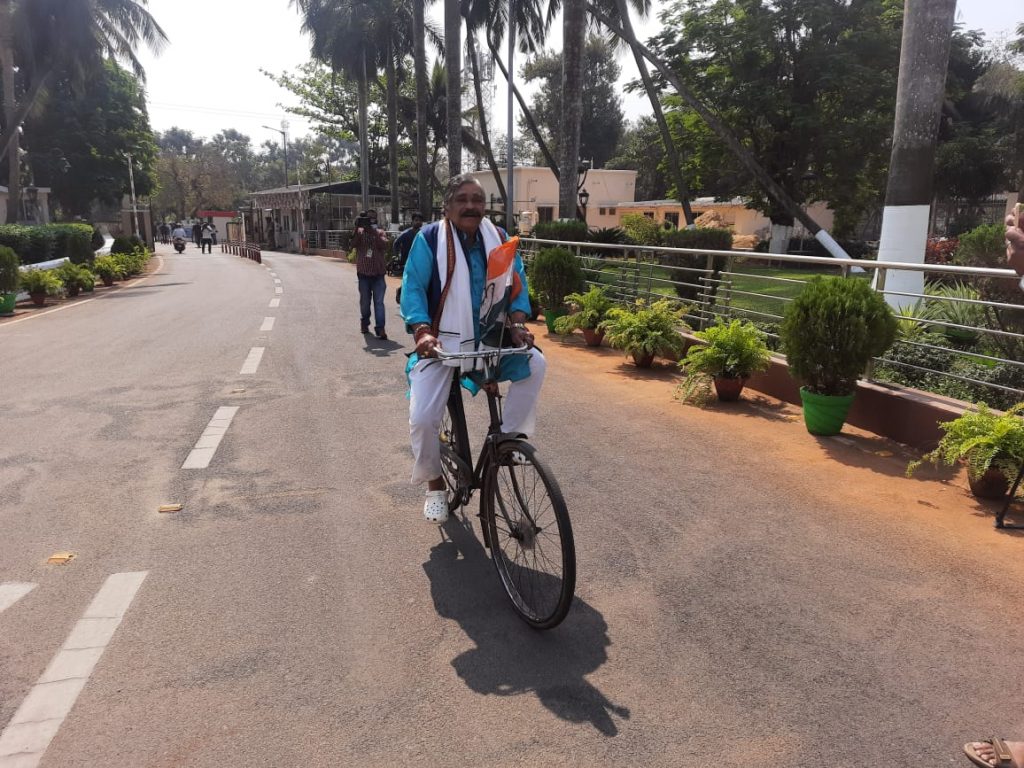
<point>458,327</point>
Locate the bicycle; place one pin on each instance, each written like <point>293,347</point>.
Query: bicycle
<point>523,515</point>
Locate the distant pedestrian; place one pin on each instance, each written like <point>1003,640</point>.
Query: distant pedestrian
<point>197,234</point>
<point>207,237</point>
<point>165,232</point>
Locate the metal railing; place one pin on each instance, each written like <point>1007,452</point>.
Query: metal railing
<point>963,336</point>
<point>242,248</point>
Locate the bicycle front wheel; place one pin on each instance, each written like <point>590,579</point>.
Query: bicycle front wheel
<point>530,535</point>
<point>455,458</point>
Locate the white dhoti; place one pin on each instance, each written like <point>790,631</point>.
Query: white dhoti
<point>429,385</point>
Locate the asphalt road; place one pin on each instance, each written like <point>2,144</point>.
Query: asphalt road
<point>747,596</point>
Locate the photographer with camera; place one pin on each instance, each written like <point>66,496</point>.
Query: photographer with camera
<point>371,244</point>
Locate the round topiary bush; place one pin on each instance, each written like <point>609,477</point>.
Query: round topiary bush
<point>122,244</point>
<point>8,270</point>
<point>555,273</point>
<point>832,330</point>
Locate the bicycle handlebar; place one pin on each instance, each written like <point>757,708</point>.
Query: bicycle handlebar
<point>481,354</point>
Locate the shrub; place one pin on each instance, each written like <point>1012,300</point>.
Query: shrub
<point>953,306</point>
<point>982,439</point>
<point>646,330</point>
<point>122,244</point>
<point>640,229</point>
<point>97,239</point>
<point>72,241</point>
<point>555,273</point>
<point>572,230</point>
<point>832,329</point>
<point>8,270</point>
<point>75,277</point>
<point>733,350</point>
<point>687,284</point>
<point>608,236</point>
<point>132,263</point>
<point>588,310</point>
<point>15,237</point>
<point>36,281</point>
<point>107,268</point>
<point>985,247</point>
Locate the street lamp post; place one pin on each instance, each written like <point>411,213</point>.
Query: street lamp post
<point>584,198</point>
<point>283,130</point>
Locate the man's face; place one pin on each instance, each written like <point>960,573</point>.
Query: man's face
<point>466,207</point>
<point>373,217</point>
<point>417,223</point>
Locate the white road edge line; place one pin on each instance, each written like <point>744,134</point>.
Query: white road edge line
<point>12,591</point>
<point>252,362</point>
<point>268,324</point>
<point>132,284</point>
<point>202,453</point>
<point>49,701</point>
<point>274,303</point>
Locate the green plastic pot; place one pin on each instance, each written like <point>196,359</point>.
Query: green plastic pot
<point>7,301</point>
<point>550,315</point>
<point>825,414</point>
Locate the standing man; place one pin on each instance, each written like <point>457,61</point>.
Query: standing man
<point>403,243</point>
<point>371,244</point>
<point>207,235</point>
<point>444,310</point>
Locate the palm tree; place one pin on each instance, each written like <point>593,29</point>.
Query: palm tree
<point>453,68</point>
<point>341,38</point>
<point>422,93</point>
<point>574,29</point>
<point>41,37</point>
<point>477,13</point>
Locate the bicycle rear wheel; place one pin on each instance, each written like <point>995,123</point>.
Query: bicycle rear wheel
<point>455,458</point>
<point>530,535</point>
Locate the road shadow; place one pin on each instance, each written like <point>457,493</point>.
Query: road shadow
<point>380,347</point>
<point>511,659</point>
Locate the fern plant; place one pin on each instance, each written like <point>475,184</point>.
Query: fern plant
<point>982,439</point>
<point>588,310</point>
<point>952,304</point>
<point>41,281</point>
<point>646,329</point>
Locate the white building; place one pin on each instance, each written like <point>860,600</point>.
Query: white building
<point>35,205</point>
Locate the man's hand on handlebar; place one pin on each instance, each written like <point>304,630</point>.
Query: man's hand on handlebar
<point>427,346</point>
<point>521,336</point>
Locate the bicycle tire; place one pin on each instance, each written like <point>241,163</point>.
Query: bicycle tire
<point>455,456</point>
<point>519,482</point>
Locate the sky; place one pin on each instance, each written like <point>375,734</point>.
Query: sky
<point>208,77</point>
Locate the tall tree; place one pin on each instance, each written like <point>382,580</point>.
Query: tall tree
<point>77,140</point>
<point>453,71</point>
<point>574,30</point>
<point>44,37</point>
<point>924,59</point>
<point>424,201</point>
<point>601,106</point>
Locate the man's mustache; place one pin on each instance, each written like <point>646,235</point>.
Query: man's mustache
<point>471,214</point>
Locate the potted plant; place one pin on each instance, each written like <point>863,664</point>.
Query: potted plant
<point>830,332</point>
<point>991,445</point>
<point>730,354</point>
<point>554,273</point>
<point>8,280</point>
<point>75,278</point>
<point>107,269</point>
<point>40,283</point>
<point>588,312</point>
<point>646,330</point>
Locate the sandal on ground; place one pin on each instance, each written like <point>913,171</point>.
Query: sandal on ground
<point>435,507</point>
<point>1004,758</point>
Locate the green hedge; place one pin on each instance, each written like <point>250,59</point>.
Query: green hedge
<point>707,239</point>
<point>34,244</point>
<point>573,230</point>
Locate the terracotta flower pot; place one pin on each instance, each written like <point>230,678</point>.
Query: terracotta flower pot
<point>593,337</point>
<point>641,360</point>
<point>729,389</point>
<point>39,299</point>
<point>73,291</point>
<point>992,485</point>
<point>107,281</point>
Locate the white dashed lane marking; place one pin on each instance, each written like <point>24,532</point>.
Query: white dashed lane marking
<point>268,324</point>
<point>252,362</point>
<point>49,701</point>
<point>12,591</point>
<point>279,289</point>
<point>201,455</point>
<point>275,303</point>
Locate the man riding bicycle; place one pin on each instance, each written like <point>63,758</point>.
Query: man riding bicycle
<point>442,309</point>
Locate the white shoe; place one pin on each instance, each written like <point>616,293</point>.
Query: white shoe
<point>435,507</point>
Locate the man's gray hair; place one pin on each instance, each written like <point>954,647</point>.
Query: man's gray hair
<point>457,181</point>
